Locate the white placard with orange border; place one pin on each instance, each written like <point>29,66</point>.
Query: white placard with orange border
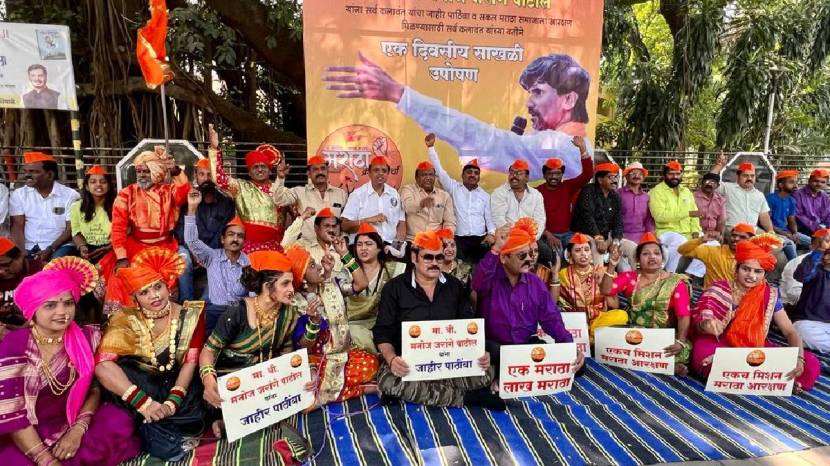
<point>262,395</point>
<point>752,371</point>
<point>639,349</point>
<point>442,349</point>
<point>536,370</point>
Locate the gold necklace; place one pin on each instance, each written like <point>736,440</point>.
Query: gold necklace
<point>171,329</point>
<point>157,314</point>
<point>57,387</point>
<point>257,311</point>
<point>43,340</point>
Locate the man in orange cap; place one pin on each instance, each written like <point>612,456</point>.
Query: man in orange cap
<point>634,199</point>
<point>718,259</point>
<point>474,227</point>
<point>423,292</point>
<point>214,211</point>
<point>14,267</point>
<point>39,211</point>
<point>515,199</point>
<point>223,264</point>
<point>316,194</point>
<point>427,207</point>
<point>744,203</point>
<point>675,213</point>
<point>812,204</point>
<point>264,221</point>
<point>378,204</point>
<point>782,207</point>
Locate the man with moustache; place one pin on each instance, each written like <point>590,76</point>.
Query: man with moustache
<point>39,211</point>
<point>427,207</point>
<point>559,195</point>
<point>782,212</point>
<point>316,194</point>
<point>377,204</point>
<point>423,292</point>
<point>675,213</point>
<point>744,203</point>
<point>711,205</point>
<point>598,214</point>
<point>513,301</point>
<point>719,259</point>
<point>474,227</point>
<point>212,214</point>
<point>514,200</point>
<point>41,96</point>
<point>223,264</point>
<point>637,219</point>
<point>813,203</point>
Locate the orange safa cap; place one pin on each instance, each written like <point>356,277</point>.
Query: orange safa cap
<point>269,260</point>
<point>821,233</point>
<point>138,277</point>
<point>744,228</point>
<point>517,239</point>
<point>820,173</point>
<point>300,258</point>
<point>445,233</point>
<point>316,160</point>
<point>579,238</point>
<point>520,165</point>
<point>607,167</point>
<point>554,164</point>
<point>527,224</point>
<point>365,229</point>
<point>6,245</point>
<point>378,160</point>
<point>428,241</point>
<point>786,174</point>
<point>325,212</point>
<point>34,157</point>
<point>472,163</point>
<point>236,221</point>
<point>96,170</point>
<point>425,165</point>
<point>203,164</point>
<point>648,238</point>
<point>674,166</point>
<point>746,167</point>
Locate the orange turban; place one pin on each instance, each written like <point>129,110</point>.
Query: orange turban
<point>425,165</point>
<point>579,238</point>
<point>648,238</point>
<point>607,167</point>
<point>820,173</point>
<point>527,224</point>
<point>674,166</point>
<point>445,233</point>
<point>300,258</point>
<point>520,165</point>
<point>821,233</point>
<point>428,241</point>
<point>746,167</point>
<point>258,156</point>
<point>236,221</point>
<point>316,160</point>
<point>379,160</point>
<point>325,212</point>
<point>744,228</point>
<point>554,164</point>
<point>269,260</point>
<point>365,229</point>
<point>34,157</point>
<point>783,174</point>
<point>471,163</point>
<point>204,164</point>
<point>136,278</point>
<point>758,248</point>
<point>96,170</point>
<point>6,245</point>
<point>517,239</point>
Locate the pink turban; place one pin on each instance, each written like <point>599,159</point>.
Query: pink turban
<point>35,290</point>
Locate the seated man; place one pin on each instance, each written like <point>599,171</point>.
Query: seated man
<point>423,292</point>
<point>782,212</point>
<point>718,259</point>
<point>812,312</point>
<point>39,211</point>
<point>790,288</point>
<point>812,204</point>
<point>675,213</point>
<point>634,199</point>
<point>14,267</point>
<point>513,301</point>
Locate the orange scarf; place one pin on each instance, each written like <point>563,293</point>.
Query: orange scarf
<point>748,328</point>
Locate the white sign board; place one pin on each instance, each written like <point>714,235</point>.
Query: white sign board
<point>752,371</point>
<point>262,395</point>
<point>639,349</point>
<point>535,370</point>
<point>36,67</point>
<point>442,349</point>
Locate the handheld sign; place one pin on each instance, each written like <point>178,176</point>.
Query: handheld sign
<point>534,370</point>
<point>442,349</point>
<point>262,395</point>
<point>752,371</point>
<point>639,349</point>
<point>577,324</point>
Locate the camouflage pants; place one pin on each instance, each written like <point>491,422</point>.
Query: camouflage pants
<point>444,392</point>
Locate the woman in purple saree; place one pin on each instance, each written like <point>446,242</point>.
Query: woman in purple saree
<point>50,411</point>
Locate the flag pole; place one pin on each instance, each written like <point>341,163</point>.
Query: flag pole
<point>164,120</point>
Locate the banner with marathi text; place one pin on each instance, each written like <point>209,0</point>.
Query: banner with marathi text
<point>639,349</point>
<point>496,80</point>
<point>753,371</point>
<point>442,349</point>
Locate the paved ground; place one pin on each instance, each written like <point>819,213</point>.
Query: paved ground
<point>812,457</point>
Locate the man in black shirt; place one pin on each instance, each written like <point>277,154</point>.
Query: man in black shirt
<point>425,293</point>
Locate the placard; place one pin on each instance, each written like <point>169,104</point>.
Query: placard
<point>535,370</point>
<point>577,324</point>
<point>262,395</point>
<point>36,67</point>
<point>639,349</point>
<point>752,371</point>
<point>442,349</point>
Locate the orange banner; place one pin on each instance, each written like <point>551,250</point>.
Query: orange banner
<point>380,75</point>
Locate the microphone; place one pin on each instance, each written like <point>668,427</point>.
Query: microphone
<point>519,125</point>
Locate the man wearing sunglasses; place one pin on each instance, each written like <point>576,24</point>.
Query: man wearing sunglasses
<point>423,292</point>
<point>513,301</point>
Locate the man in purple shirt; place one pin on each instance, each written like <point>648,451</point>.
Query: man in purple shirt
<point>514,302</point>
<point>812,204</point>
<point>636,216</point>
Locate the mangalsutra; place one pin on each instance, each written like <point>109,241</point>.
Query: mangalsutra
<point>57,387</point>
<point>172,328</point>
<point>157,314</point>
<point>43,340</point>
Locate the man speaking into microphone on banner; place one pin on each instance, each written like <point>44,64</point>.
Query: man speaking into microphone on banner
<point>557,88</point>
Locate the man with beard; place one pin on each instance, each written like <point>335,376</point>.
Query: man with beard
<point>598,214</point>
<point>637,219</point>
<point>144,215</point>
<point>214,212</point>
<point>675,213</point>
<point>719,259</point>
<point>39,211</point>
<point>423,292</point>
<point>316,194</point>
<point>514,200</point>
<point>223,264</point>
<point>744,203</point>
<point>513,301</point>
<point>427,208</point>
<point>711,205</point>
<point>474,221</point>
<point>812,211</point>
<point>782,212</point>
<point>377,204</point>
<point>559,195</point>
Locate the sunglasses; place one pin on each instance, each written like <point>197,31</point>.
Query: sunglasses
<point>433,257</point>
<point>522,255</point>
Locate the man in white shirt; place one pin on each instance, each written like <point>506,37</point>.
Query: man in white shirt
<point>557,89</point>
<point>514,200</point>
<point>376,203</point>
<point>40,210</point>
<point>474,227</point>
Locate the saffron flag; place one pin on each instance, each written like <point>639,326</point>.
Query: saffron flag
<point>150,49</point>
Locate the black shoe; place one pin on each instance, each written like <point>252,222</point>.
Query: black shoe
<point>386,400</point>
<point>485,398</point>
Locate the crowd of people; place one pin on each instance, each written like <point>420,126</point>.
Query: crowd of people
<point>112,344</point>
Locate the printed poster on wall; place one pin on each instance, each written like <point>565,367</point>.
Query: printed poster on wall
<point>753,371</point>
<point>496,80</point>
<point>442,349</point>
<point>36,67</point>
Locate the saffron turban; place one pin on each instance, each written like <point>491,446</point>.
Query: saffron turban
<point>674,166</point>
<point>425,165</point>
<point>783,174</point>
<point>428,241</point>
<point>204,164</point>
<point>269,260</point>
<point>300,258</point>
<point>820,173</point>
<point>744,228</point>
<point>365,229</point>
<point>746,167</point>
<point>520,165</point>
<point>378,160</point>
<point>445,233</point>
<point>316,160</point>
<point>472,163</point>
<point>648,238</point>
<point>607,167</point>
<point>96,170</point>
<point>579,238</point>
<point>517,239</point>
<point>554,164</point>
<point>821,233</point>
<point>34,157</point>
<point>150,266</point>
<point>236,222</point>
<point>258,156</point>
<point>6,245</point>
<point>156,161</point>
<point>758,248</point>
